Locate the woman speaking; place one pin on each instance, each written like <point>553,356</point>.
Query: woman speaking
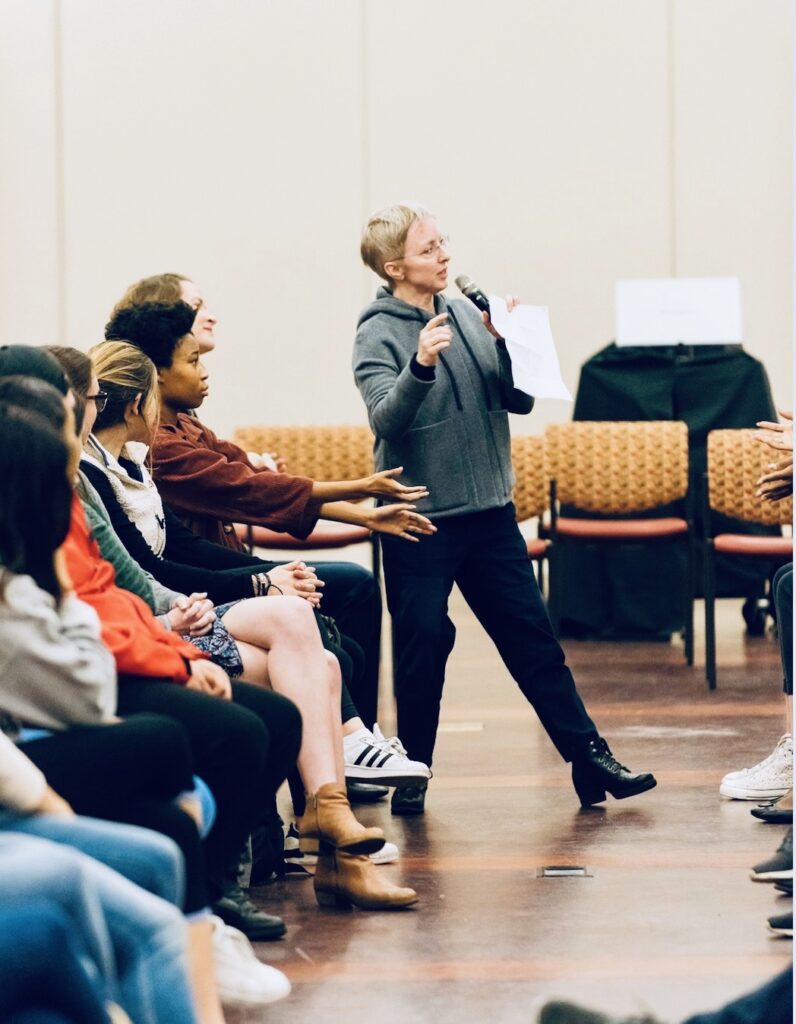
<point>437,383</point>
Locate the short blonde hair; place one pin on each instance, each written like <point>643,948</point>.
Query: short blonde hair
<point>384,236</point>
<point>124,371</point>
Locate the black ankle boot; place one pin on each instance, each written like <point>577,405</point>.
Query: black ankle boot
<point>596,771</point>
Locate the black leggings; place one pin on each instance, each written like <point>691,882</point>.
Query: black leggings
<point>129,772</point>
<point>243,749</point>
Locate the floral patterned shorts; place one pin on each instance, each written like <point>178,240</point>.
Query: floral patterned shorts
<point>219,644</point>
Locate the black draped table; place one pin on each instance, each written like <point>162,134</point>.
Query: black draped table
<point>636,591</point>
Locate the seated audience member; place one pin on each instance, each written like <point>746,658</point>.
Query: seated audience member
<point>58,676</point>
<point>272,642</point>
<point>772,778</point>
<point>46,975</point>
<point>223,486</point>
<point>137,641</point>
<point>134,941</point>
<point>242,747</point>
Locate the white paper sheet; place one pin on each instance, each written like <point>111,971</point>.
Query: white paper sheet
<point>529,340</point>
<point>679,310</point>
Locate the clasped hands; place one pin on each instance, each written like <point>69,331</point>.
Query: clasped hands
<point>778,482</point>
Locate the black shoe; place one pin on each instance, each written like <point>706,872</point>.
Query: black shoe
<point>237,909</point>
<point>596,771</point>
<point>782,924</point>
<point>557,1012</point>
<point>409,800</point>
<point>773,814</point>
<point>778,867</point>
<point>784,885</point>
<point>365,792</point>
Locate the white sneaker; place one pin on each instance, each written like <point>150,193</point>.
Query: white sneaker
<point>369,757</point>
<point>761,764</point>
<point>770,779</point>
<point>388,854</point>
<point>242,979</point>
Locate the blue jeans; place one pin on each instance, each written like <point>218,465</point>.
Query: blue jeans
<point>484,553</point>
<point>136,942</point>
<point>43,974</point>
<point>149,859</point>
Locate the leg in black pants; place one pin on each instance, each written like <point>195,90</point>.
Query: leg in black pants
<point>243,750</point>
<point>353,599</point>
<point>484,553</point>
<point>498,582</point>
<point>131,773</point>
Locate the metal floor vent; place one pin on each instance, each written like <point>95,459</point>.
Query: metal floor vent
<point>563,871</point>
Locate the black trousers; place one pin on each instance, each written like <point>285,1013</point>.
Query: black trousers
<point>129,772</point>
<point>782,591</point>
<point>243,749</point>
<point>353,599</point>
<point>484,554</point>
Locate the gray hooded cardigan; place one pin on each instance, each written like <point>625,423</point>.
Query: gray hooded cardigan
<point>451,431</point>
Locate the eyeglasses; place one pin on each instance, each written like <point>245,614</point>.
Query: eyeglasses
<point>100,399</point>
<point>431,252</point>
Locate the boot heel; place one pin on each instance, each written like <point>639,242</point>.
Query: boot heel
<point>326,898</point>
<point>589,792</point>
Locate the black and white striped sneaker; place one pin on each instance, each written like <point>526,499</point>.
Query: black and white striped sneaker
<point>370,757</point>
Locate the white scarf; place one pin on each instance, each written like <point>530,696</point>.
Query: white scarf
<point>139,499</point>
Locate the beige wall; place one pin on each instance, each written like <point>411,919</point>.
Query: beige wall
<point>563,144</point>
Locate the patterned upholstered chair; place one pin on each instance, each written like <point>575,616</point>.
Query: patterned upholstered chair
<point>531,494</point>
<point>735,463</point>
<point>323,453</point>
<point>617,470</point>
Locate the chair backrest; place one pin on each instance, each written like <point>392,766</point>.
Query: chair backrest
<point>617,468</point>
<point>323,453</point>
<point>531,488</point>
<point>735,463</point>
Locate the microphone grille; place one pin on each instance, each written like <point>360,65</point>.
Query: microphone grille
<point>463,282</point>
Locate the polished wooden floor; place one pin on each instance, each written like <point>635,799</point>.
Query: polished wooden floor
<point>666,920</point>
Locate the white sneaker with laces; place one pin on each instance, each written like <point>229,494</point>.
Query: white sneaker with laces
<point>770,779</point>
<point>242,979</point>
<point>761,764</point>
<point>369,757</point>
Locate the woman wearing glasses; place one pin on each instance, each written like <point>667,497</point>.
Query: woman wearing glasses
<point>437,382</point>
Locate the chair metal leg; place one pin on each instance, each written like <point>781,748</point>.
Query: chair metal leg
<point>710,616</point>
<point>554,589</point>
<point>690,590</point>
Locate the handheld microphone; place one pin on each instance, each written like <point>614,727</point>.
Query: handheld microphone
<point>473,293</point>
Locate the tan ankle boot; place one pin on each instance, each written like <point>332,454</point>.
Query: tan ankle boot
<point>346,879</point>
<point>328,818</point>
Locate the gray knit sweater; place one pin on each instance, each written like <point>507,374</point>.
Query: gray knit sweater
<point>450,432</point>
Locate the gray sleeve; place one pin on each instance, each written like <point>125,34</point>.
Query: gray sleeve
<point>56,670</point>
<point>129,574</point>
<point>163,598</point>
<point>393,396</point>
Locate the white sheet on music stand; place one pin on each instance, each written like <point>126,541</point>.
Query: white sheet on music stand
<point>529,340</point>
<point>679,310</point>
